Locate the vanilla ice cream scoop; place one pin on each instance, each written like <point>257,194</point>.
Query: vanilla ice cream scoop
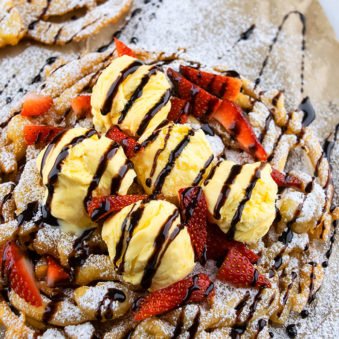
<point>173,157</point>
<point>241,199</point>
<point>134,96</point>
<point>76,165</point>
<point>148,244</point>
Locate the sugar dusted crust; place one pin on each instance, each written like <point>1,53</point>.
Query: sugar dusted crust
<point>37,20</point>
<point>295,267</point>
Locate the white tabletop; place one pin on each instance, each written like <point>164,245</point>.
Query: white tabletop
<point>331,8</point>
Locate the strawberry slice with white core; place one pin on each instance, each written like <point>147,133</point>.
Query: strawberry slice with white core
<point>20,274</point>
<point>55,273</point>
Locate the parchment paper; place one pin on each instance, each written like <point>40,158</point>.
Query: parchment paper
<point>209,30</point>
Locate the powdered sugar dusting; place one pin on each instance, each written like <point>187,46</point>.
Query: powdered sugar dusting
<point>175,25</point>
<point>83,331</point>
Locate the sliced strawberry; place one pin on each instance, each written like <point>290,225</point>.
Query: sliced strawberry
<point>20,275</point>
<point>55,273</point>
<point>179,110</point>
<point>205,105</point>
<point>231,117</point>
<point>122,49</point>
<point>40,134</point>
<point>130,146</point>
<point>222,86</point>
<point>194,212</point>
<point>286,180</point>
<point>218,245</point>
<point>100,207</point>
<point>192,289</point>
<point>202,103</point>
<point>238,270</point>
<point>81,105</point>
<point>35,105</point>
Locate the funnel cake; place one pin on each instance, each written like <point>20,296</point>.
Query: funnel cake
<point>205,225</point>
<point>36,20</point>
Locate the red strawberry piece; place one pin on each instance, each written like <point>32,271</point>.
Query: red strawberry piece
<point>35,105</point>
<point>218,245</point>
<point>20,274</point>
<point>194,212</point>
<point>40,134</point>
<point>202,103</point>
<point>179,110</point>
<point>238,270</point>
<point>100,207</point>
<point>122,49</point>
<point>81,105</point>
<point>286,180</point>
<point>130,146</point>
<point>193,289</point>
<point>231,117</point>
<point>221,86</point>
<point>55,273</point>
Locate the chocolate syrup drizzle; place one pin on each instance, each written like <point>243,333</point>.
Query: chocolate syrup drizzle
<point>179,325</point>
<point>130,69</point>
<point>154,135</point>
<point>171,162</point>
<point>134,15</point>
<point>81,249</point>
<point>49,148</point>
<point>136,94</point>
<point>311,296</point>
<point>153,111</point>
<point>127,229</point>
<point>225,190</point>
<point>275,40</point>
<point>192,330</point>
<point>104,310</point>
<point>327,150</point>
<point>152,263</point>
<point>211,174</point>
<point>28,213</point>
<point>117,180</point>
<point>332,240</point>
<point>245,35</point>
<point>201,173</point>
<point>262,323</point>
<point>157,154</point>
<point>54,173</point>
<point>239,328</point>
<point>309,112</point>
<point>103,162</point>
<point>172,237</point>
<point>269,118</point>
<point>52,307</point>
<point>43,12</point>
<point>285,296</point>
<point>7,197</point>
<point>49,61</point>
<point>326,153</point>
<point>247,197</point>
